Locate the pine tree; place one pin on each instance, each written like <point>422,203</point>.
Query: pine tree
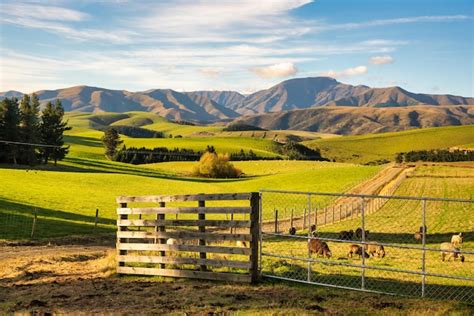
<point>111,141</point>
<point>51,132</point>
<point>29,124</point>
<point>9,129</point>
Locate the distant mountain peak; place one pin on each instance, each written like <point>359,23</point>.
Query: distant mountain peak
<point>213,105</point>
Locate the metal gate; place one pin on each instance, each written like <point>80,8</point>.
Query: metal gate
<point>383,244</point>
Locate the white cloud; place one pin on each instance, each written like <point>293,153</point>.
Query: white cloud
<point>381,60</point>
<point>355,71</point>
<point>384,22</point>
<point>42,12</point>
<point>211,73</point>
<point>276,71</point>
<point>253,21</point>
<point>54,19</point>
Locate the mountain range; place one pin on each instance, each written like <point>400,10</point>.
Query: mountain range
<point>346,120</point>
<point>314,93</point>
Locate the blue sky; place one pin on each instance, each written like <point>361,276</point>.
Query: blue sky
<point>247,45</point>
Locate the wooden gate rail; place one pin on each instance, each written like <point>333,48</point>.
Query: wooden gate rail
<point>134,237</point>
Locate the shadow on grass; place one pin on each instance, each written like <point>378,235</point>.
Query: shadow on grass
<point>82,140</point>
<point>287,269</point>
<point>16,222</point>
<point>396,238</point>
<point>97,166</point>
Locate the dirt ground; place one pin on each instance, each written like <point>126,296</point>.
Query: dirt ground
<point>66,278</point>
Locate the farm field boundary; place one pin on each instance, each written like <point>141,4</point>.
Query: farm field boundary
<point>337,208</point>
<point>374,252</point>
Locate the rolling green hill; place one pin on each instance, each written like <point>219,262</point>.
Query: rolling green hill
<point>371,147</point>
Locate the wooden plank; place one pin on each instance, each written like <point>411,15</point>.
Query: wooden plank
<point>161,217</point>
<point>191,248</point>
<point>122,240</point>
<point>182,198</point>
<point>181,260</point>
<point>202,229</point>
<point>182,222</point>
<point>184,210</point>
<point>255,232</point>
<point>184,235</point>
<point>231,277</point>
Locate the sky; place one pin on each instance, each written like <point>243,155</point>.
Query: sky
<point>424,46</point>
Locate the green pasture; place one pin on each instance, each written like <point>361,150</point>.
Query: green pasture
<point>371,147</point>
<point>396,223</point>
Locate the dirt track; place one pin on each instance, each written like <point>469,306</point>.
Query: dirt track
<point>79,280</point>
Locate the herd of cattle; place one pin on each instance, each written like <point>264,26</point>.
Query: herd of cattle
<point>320,248</point>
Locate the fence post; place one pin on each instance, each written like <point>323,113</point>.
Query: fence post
<point>33,225</point>
<point>260,231</point>
<point>291,218</point>
<point>231,218</point>
<point>161,229</point>
<point>122,229</point>
<point>316,217</point>
<point>333,214</point>
<point>340,212</point>
<point>362,209</point>
<point>352,209</point>
<point>309,239</point>
<point>276,221</point>
<point>202,229</point>
<point>423,256</point>
<point>96,218</point>
<point>304,218</point>
<point>325,215</point>
<point>255,232</point>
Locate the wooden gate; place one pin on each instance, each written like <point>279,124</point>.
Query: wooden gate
<point>201,241</point>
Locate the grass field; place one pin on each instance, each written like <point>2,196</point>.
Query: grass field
<point>366,148</point>
<point>396,223</point>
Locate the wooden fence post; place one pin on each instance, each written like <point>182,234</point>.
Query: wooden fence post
<point>276,221</point>
<point>333,214</point>
<point>202,229</point>
<point>316,217</point>
<point>96,218</point>
<point>291,218</point>
<point>304,218</point>
<point>33,226</point>
<point>255,235</point>
<point>161,229</point>
<point>122,229</point>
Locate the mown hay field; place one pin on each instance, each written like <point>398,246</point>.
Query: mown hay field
<point>395,223</point>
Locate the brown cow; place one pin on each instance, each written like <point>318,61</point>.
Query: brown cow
<point>357,250</point>
<point>358,233</point>
<point>346,235</point>
<point>320,248</point>
<point>375,249</point>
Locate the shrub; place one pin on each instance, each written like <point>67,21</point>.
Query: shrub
<point>213,165</point>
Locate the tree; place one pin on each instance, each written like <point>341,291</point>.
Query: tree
<point>111,141</point>
<point>52,129</point>
<point>29,126</point>
<point>9,129</point>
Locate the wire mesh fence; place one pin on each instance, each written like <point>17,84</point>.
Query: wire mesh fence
<point>385,244</point>
<point>39,223</point>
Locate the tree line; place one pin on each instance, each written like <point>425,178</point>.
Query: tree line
<point>29,135</point>
<point>134,155</point>
<point>436,155</point>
